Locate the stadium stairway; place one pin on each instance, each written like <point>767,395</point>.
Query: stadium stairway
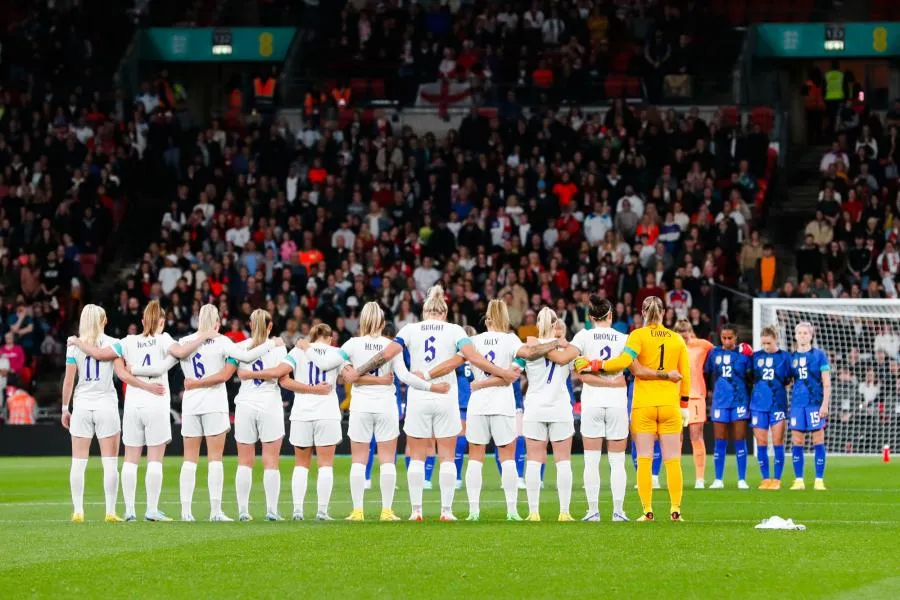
<point>788,218</point>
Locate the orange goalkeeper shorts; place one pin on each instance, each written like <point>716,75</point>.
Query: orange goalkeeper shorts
<point>697,410</point>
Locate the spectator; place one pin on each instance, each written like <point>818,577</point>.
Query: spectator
<point>767,275</point>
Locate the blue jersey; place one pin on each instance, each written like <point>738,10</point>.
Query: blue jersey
<point>771,374</point>
<point>807,369</point>
<point>517,392</point>
<point>571,390</point>
<point>464,379</point>
<point>729,369</point>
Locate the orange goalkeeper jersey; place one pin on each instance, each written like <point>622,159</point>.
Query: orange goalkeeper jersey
<point>697,351</point>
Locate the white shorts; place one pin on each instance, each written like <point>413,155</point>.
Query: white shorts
<point>427,418</point>
<point>102,422</point>
<point>252,424</point>
<point>363,425</point>
<point>207,424</point>
<point>554,431</point>
<point>607,422</point>
<point>481,429</point>
<point>324,432</point>
<point>146,426</point>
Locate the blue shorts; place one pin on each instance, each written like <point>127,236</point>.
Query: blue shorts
<point>730,415</point>
<point>763,419</point>
<point>806,418</point>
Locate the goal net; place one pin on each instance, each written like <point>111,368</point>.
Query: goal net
<point>862,341</point>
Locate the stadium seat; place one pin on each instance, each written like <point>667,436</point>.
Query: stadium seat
<point>764,117</point>
<point>88,264</point>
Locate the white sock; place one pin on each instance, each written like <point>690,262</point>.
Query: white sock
<point>533,485</point>
<point>447,480</point>
<point>324,483</point>
<point>564,484</point>
<point>129,486</point>
<point>592,479</point>
<point>617,479</point>
<point>299,481</point>
<point>415,480</point>
<point>186,482</point>
<point>215,481</point>
<point>76,483</point>
<point>110,482</point>
<point>510,480</point>
<point>357,484</point>
<point>153,482</point>
<point>473,485</point>
<point>388,481</point>
<point>243,481</point>
<point>272,486</point>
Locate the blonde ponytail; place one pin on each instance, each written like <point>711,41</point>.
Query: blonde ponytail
<point>371,320</point>
<point>318,332</point>
<point>652,310</point>
<point>90,327</point>
<point>260,324</point>
<point>546,319</point>
<point>497,316</point>
<point>209,318</point>
<point>435,304</point>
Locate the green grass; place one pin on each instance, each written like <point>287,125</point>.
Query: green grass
<point>851,548</point>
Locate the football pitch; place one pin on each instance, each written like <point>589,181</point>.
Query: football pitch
<point>851,548</point>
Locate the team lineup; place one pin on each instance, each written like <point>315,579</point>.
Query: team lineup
<point>490,387</point>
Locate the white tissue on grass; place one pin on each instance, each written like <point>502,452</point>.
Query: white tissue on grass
<point>777,522</point>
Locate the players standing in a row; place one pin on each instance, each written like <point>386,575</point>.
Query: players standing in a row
<point>428,415</point>
<point>768,405</point>
<point>95,411</point>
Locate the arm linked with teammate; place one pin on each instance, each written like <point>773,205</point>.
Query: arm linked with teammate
<point>684,367</point>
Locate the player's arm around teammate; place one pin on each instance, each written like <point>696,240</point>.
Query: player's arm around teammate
<point>655,407</point>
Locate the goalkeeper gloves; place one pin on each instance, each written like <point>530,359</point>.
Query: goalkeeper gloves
<point>583,364</point>
<point>685,413</point>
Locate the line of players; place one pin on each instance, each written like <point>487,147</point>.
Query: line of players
<point>372,363</point>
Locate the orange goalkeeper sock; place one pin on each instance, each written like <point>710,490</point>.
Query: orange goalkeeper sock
<point>699,447</point>
<point>645,482</point>
<point>674,482</point>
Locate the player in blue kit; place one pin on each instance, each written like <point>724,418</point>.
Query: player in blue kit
<point>729,368</point>
<point>768,404</point>
<point>464,385</point>
<point>810,403</point>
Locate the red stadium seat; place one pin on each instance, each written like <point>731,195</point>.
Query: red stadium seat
<point>614,86</point>
<point>633,87</point>
<point>378,89</point>
<point>730,115</point>
<point>88,265</point>
<point>764,117</point>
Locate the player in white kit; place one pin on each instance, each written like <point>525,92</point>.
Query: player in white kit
<point>95,411</point>
<point>548,417</point>
<point>604,408</point>
<point>315,416</point>
<point>428,415</point>
<point>492,407</point>
<point>259,417</point>
<point>205,407</point>
<point>147,420</point>
<point>373,410</point>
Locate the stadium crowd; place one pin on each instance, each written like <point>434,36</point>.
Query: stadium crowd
<point>67,161</point>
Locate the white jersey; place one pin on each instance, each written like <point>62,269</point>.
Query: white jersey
<point>430,343</point>
<point>314,407</point>
<point>261,393</point>
<point>145,352</point>
<point>547,398</point>
<point>95,388</point>
<point>500,349</point>
<point>603,343</point>
<point>379,399</point>
<point>209,359</point>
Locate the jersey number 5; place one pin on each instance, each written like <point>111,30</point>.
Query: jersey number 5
<point>430,350</point>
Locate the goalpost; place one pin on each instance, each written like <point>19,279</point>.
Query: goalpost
<point>862,341</point>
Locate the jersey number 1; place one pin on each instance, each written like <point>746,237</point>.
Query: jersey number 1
<point>662,357</point>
